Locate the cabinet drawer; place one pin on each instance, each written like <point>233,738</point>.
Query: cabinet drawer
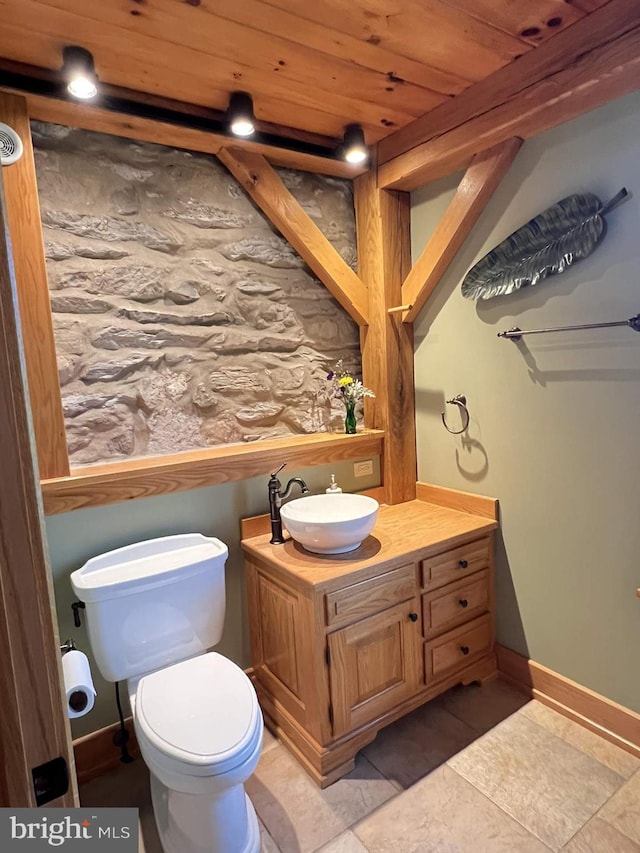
<point>456,563</point>
<point>370,596</point>
<point>455,603</point>
<point>455,649</point>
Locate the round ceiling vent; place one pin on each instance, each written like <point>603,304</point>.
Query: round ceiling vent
<point>10,145</point>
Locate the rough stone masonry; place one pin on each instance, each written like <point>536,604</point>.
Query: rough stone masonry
<point>182,319</point>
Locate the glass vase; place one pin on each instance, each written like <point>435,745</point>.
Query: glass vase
<point>350,418</point>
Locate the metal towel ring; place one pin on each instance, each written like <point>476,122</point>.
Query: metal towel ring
<point>461,401</point>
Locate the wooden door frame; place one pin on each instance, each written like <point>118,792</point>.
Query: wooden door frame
<point>34,727</point>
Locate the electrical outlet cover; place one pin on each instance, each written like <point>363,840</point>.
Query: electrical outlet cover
<point>363,469</point>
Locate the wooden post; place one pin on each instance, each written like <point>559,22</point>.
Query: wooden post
<point>34,729</point>
<point>25,230</point>
<point>384,259</point>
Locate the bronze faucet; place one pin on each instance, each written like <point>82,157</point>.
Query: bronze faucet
<point>275,502</point>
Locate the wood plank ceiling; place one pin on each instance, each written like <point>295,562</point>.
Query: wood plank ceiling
<point>312,66</point>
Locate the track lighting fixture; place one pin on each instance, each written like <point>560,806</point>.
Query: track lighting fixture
<point>78,79</point>
<point>79,72</point>
<point>354,149</point>
<point>240,114</point>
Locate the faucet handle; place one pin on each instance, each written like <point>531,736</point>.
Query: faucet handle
<point>275,473</point>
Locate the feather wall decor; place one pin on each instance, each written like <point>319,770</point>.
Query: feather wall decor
<point>549,243</point>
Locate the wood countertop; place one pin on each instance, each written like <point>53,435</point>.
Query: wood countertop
<point>408,532</point>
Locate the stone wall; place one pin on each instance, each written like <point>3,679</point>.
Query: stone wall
<point>182,319</point>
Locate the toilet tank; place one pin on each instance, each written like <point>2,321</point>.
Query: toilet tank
<point>153,603</point>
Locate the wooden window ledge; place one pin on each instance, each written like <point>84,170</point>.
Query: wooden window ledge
<point>97,485</point>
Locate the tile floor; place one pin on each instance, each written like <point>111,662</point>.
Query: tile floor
<point>478,770</point>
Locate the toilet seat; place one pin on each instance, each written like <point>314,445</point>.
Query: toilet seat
<point>198,718</point>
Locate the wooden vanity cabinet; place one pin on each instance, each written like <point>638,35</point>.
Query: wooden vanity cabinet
<point>342,646</point>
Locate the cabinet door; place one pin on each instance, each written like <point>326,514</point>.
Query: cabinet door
<point>375,665</point>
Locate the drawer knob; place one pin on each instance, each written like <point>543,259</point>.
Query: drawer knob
<point>463,602</point>
<point>463,564</point>
<point>464,650</point>
<point>413,617</point>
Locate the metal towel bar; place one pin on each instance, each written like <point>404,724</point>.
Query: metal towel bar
<point>515,334</point>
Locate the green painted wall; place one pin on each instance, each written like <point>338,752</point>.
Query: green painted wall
<point>554,420</point>
<point>216,511</point>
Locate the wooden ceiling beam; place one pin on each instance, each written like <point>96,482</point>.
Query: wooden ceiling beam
<point>35,80</point>
<point>476,188</point>
<point>578,70</point>
<point>607,25</point>
<point>592,81</point>
<point>265,187</point>
<point>149,130</point>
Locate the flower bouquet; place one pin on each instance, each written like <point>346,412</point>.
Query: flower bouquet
<point>349,390</point>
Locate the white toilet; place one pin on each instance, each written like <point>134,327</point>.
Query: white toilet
<point>153,609</point>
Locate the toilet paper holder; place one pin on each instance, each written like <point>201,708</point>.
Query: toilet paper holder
<point>121,737</point>
<point>80,695</point>
<point>68,646</point>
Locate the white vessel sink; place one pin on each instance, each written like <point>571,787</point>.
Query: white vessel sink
<point>330,524</point>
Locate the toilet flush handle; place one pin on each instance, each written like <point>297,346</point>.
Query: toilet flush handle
<point>77,606</point>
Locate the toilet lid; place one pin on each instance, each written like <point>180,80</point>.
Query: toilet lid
<point>202,712</point>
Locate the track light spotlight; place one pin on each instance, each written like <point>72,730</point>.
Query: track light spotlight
<point>79,72</point>
<point>354,149</point>
<point>240,114</point>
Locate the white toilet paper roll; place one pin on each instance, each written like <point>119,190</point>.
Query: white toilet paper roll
<point>78,683</point>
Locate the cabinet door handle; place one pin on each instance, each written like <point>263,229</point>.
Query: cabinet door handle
<point>464,650</point>
<point>463,602</point>
<point>463,564</point>
<point>413,617</point>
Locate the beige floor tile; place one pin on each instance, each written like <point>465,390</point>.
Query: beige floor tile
<point>300,816</point>
<point>483,706</point>
<point>345,843</point>
<point>414,745</point>
<point>597,836</point>
<point>606,753</point>
<point>268,741</point>
<point>129,786</point>
<point>126,786</point>
<point>445,814</point>
<point>267,844</point>
<point>543,782</point>
<point>623,809</point>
